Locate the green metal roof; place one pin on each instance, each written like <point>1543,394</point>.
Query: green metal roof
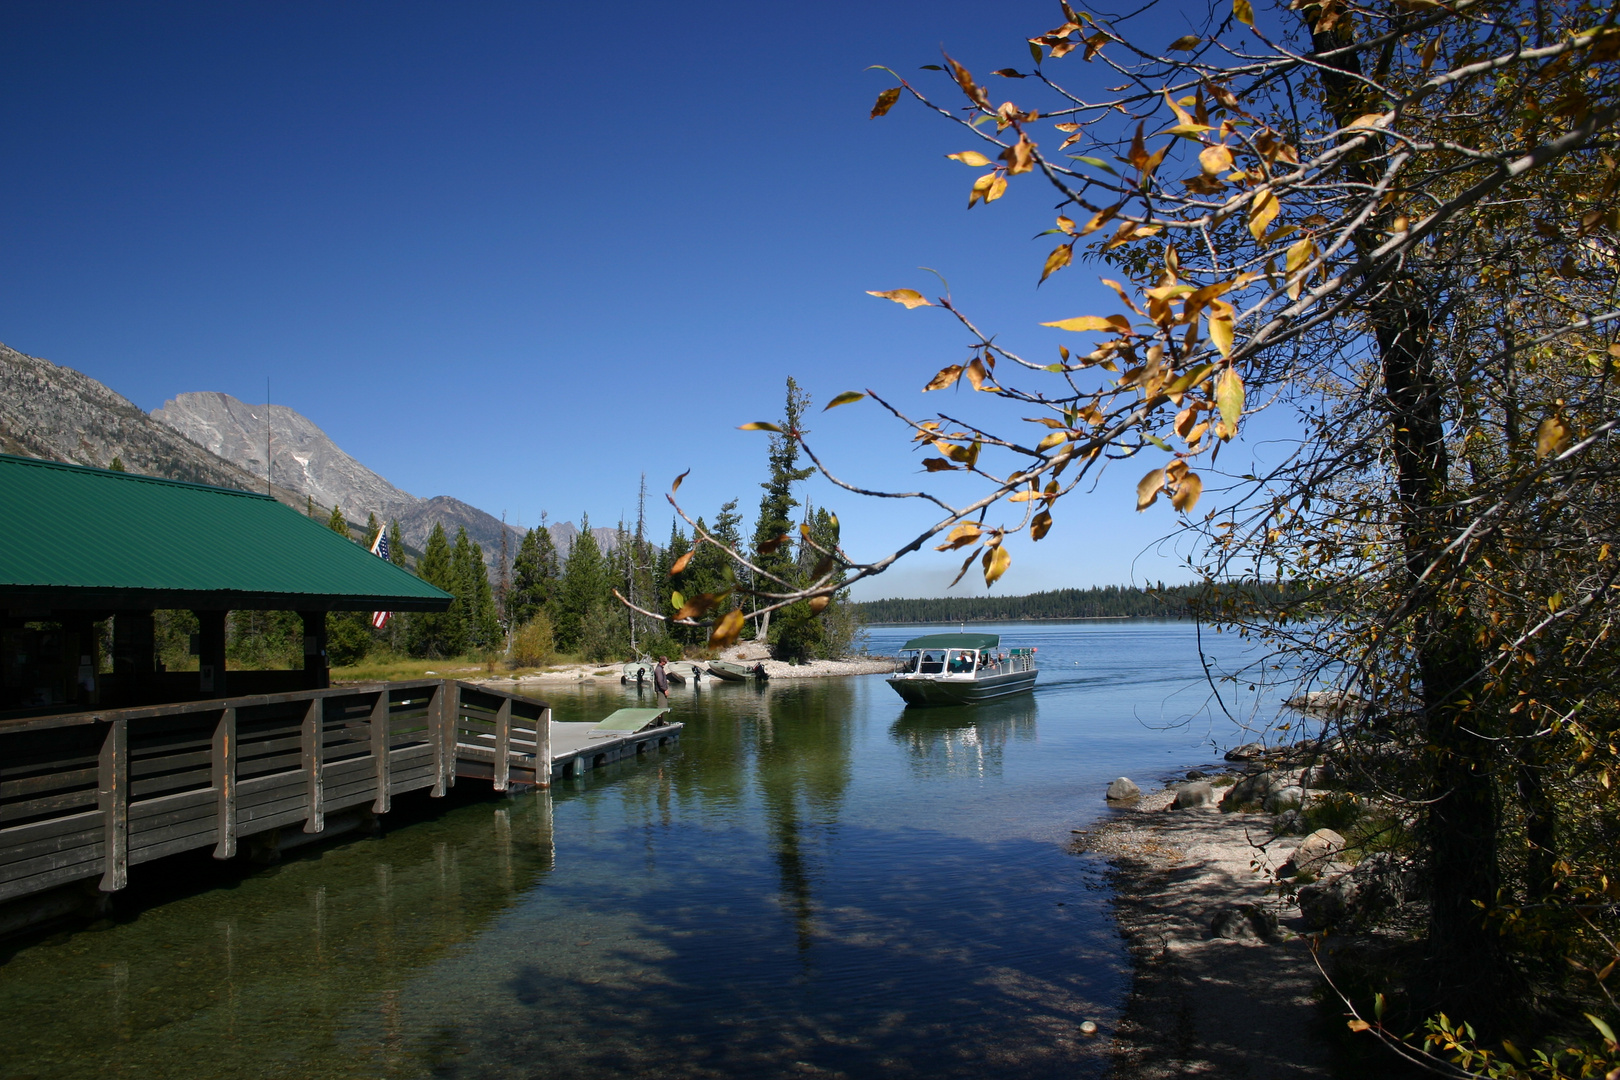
<point>954,641</point>
<point>80,538</point>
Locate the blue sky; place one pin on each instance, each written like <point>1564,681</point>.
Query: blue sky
<point>522,253</point>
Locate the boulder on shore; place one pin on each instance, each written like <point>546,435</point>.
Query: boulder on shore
<point>1291,797</point>
<point>1244,922</point>
<point>1254,788</point>
<point>1375,886</point>
<point>1123,790</point>
<point>1247,752</point>
<point>1195,796</point>
<point>1313,854</point>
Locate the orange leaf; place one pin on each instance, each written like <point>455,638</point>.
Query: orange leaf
<point>818,604</point>
<point>681,563</point>
<point>676,486</point>
<point>911,298</point>
<point>726,630</point>
<point>885,102</point>
<point>1148,488</point>
<point>946,377</point>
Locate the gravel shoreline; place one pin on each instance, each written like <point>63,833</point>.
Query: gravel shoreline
<point>1202,1005</point>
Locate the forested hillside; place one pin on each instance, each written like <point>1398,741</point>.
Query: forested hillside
<point>1110,601</point>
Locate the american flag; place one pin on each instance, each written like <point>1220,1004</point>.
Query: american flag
<point>379,548</point>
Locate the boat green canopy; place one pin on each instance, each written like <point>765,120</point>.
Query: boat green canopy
<point>954,641</point>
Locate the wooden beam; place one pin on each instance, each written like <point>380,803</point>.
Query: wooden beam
<point>542,748</point>
<point>381,723</point>
<point>224,782</point>
<point>314,764</point>
<point>503,745</point>
<point>436,737</point>
<point>112,796</point>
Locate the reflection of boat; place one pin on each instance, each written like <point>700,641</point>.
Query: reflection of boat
<point>964,739</point>
<point>725,669</point>
<point>961,669</point>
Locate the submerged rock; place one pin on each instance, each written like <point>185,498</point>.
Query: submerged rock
<point>1197,774</point>
<point>1123,790</point>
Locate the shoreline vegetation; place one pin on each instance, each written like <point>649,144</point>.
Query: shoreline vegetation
<point>1159,601</point>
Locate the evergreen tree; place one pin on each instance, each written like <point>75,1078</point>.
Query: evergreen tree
<point>534,576</point>
<point>396,544</point>
<point>435,633</point>
<point>474,606</point>
<point>584,585</point>
<point>338,524</point>
<point>348,633</point>
<point>372,529</point>
<point>776,505</point>
<point>117,465</point>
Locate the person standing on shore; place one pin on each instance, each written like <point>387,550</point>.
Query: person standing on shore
<point>661,681</point>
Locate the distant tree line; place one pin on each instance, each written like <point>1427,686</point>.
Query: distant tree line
<point>1159,601</point>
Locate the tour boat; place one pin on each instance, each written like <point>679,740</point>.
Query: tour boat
<point>961,669</point>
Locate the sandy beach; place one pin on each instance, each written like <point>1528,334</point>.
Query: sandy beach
<point>748,652</point>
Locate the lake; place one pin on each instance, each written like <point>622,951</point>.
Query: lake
<point>816,882</point>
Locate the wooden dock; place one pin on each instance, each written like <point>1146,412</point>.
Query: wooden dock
<point>86,796</point>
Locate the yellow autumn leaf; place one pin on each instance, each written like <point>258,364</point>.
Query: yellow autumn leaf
<point>1188,488</point>
<point>1215,159</point>
<point>726,630</point>
<point>1148,488</point>
<point>759,425</point>
<point>1057,260</point>
<point>998,188</point>
<point>970,157</point>
<point>1101,218</point>
<point>1262,212</point>
<point>1221,327</point>
<point>681,563</point>
<point>911,298</point>
<point>1040,525</point>
<point>1553,436</point>
<point>975,373</point>
<point>996,561</point>
<point>885,102</point>
<point>945,378</point>
<point>1229,398</point>
<point>1244,12</point>
<point>1092,322</point>
<point>965,533</point>
<point>676,486</point>
<point>818,604</point>
<point>844,399</point>
<point>1057,438</point>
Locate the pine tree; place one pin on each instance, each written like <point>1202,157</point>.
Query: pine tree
<point>372,529</point>
<point>583,586</point>
<point>396,544</point>
<point>534,576</point>
<point>433,633</point>
<point>776,505</point>
<point>117,465</point>
<point>338,524</point>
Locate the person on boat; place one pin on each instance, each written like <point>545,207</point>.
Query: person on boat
<point>759,672</point>
<point>661,681</point>
<point>697,677</point>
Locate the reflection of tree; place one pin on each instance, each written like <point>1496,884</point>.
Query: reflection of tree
<point>276,967</point>
<point>963,740</point>
<point>802,764</point>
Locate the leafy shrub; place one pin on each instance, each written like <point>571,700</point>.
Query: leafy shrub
<point>534,643</point>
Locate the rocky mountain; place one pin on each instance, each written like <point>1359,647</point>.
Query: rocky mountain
<point>304,458</point>
<point>54,412</point>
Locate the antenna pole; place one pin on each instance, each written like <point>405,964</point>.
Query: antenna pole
<point>267,435</point>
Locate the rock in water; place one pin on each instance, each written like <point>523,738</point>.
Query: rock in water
<point>1195,796</point>
<point>1244,922</point>
<point>1197,774</point>
<point>1123,790</point>
<point>1247,752</point>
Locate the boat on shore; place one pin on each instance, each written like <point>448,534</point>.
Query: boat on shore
<point>961,669</point>
<point>725,669</point>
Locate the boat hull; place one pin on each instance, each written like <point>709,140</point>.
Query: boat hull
<point>730,672</point>
<point>924,690</point>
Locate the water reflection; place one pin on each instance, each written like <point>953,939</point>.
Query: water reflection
<point>964,740</point>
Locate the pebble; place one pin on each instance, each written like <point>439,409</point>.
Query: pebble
<point>1088,1027</point>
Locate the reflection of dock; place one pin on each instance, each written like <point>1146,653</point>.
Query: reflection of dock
<point>85,796</point>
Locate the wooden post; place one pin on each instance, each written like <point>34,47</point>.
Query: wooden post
<point>224,783</point>
<point>112,796</point>
<point>452,721</point>
<point>503,744</point>
<point>542,749</point>
<point>211,654</point>
<point>436,738</point>
<point>314,760</point>
<point>316,675</point>
<point>380,749</point>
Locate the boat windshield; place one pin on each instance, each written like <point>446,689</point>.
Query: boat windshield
<point>961,661</point>
<point>907,663</point>
<point>933,662</point>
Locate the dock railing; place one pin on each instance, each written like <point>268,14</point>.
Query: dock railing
<point>90,794</point>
